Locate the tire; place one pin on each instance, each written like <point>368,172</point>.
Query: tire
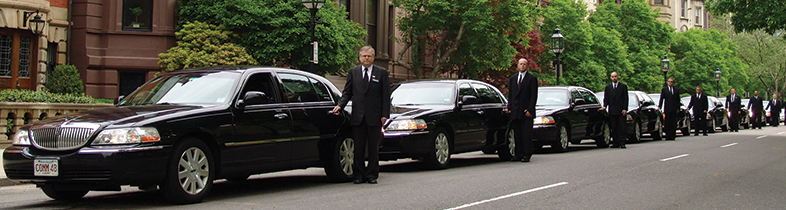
<point>190,174</point>
<point>605,139</point>
<point>686,130</point>
<point>561,144</point>
<point>62,195</point>
<point>725,128</point>
<point>636,136</point>
<point>712,127</point>
<point>342,156</point>
<point>658,133</point>
<point>509,150</point>
<point>439,155</point>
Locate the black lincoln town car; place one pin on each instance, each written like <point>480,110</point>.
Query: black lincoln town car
<point>568,114</point>
<point>181,131</point>
<point>432,119</point>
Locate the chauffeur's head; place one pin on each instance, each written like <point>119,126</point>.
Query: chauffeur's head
<point>522,64</point>
<point>756,93</point>
<point>733,91</point>
<point>614,77</point>
<point>698,89</point>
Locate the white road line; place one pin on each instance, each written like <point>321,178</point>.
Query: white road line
<point>508,196</point>
<point>672,158</point>
<point>761,136</point>
<point>728,145</point>
<point>779,133</point>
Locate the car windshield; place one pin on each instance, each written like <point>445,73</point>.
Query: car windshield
<point>187,88</point>
<point>421,93</point>
<point>552,98</point>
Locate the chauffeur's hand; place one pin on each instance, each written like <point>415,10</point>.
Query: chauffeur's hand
<point>336,109</point>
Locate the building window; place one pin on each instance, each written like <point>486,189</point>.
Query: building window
<point>16,57</point>
<point>345,3</point>
<point>371,23</point>
<point>5,55</point>
<point>698,15</point>
<point>684,8</point>
<point>658,2</point>
<point>51,60</point>
<point>129,81</point>
<point>137,15</point>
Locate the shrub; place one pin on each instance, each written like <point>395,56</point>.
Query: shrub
<point>199,45</point>
<point>65,80</point>
<point>12,95</point>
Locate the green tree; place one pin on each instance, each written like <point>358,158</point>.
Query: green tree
<point>471,35</point>
<point>647,39</point>
<point>697,55</point>
<point>277,32</point>
<point>747,15</point>
<point>65,80</point>
<point>579,66</point>
<point>200,44</point>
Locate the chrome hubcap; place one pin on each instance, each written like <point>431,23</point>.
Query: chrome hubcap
<point>347,155</point>
<point>606,134</point>
<point>193,170</point>
<point>511,142</point>
<point>637,131</point>
<point>442,148</point>
<point>563,137</point>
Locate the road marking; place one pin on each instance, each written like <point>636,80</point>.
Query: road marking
<point>508,196</point>
<point>728,145</point>
<point>761,136</point>
<point>672,158</point>
<point>779,133</point>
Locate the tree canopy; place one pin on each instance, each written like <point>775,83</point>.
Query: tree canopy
<point>200,44</point>
<point>698,54</point>
<point>748,15</point>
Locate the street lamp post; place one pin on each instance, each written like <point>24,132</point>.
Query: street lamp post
<point>557,46</point>
<point>665,65</point>
<point>313,6</point>
<point>717,79</point>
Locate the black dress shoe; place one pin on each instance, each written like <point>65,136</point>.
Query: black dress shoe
<point>623,146</point>
<point>372,181</point>
<point>696,134</point>
<point>705,134</point>
<point>358,181</point>
<point>525,160</point>
<point>614,146</point>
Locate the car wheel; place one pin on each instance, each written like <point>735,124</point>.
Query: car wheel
<point>59,194</point>
<point>190,174</point>
<point>604,140</point>
<point>509,150</point>
<point>712,127</point>
<point>725,127</point>
<point>439,156</point>
<point>658,133</point>
<point>339,167</point>
<point>636,136</point>
<point>561,145</point>
<point>686,129</point>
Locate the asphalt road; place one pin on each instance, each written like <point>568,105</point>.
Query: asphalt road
<point>742,170</point>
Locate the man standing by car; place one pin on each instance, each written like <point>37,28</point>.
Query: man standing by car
<point>615,99</point>
<point>758,109</point>
<point>369,89</point>
<point>734,103</point>
<point>775,107</point>
<point>699,104</point>
<point>521,106</point>
<point>671,96</point>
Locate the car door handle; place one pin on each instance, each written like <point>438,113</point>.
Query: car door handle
<point>481,112</point>
<point>281,116</point>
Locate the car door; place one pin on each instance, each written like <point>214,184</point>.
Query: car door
<point>262,129</point>
<point>309,102</point>
<point>578,114</point>
<point>650,109</point>
<point>493,105</point>
<point>471,132</point>
<point>595,118</point>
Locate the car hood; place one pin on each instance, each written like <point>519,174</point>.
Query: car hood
<point>119,116</point>
<point>548,110</point>
<point>413,111</point>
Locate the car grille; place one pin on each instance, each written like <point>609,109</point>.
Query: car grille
<point>63,138</point>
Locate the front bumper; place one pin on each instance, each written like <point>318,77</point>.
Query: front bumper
<point>544,134</point>
<point>91,168</point>
<point>404,144</point>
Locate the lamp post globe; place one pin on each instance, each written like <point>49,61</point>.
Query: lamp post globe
<point>665,66</point>
<point>313,6</point>
<point>557,46</point>
<point>718,74</point>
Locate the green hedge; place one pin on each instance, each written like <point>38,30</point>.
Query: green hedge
<point>11,95</point>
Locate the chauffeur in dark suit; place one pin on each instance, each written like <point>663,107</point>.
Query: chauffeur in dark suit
<point>699,104</point>
<point>775,107</point>
<point>758,109</point>
<point>734,103</point>
<point>521,106</point>
<point>615,99</point>
<point>368,87</point>
<point>671,96</point>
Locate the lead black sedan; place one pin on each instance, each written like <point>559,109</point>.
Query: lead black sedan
<point>568,114</point>
<point>432,119</point>
<point>182,130</point>
<point>643,116</point>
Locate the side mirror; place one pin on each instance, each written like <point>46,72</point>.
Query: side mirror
<point>251,98</point>
<point>468,99</point>
<point>647,103</point>
<point>119,99</point>
<point>579,101</point>
<point>718,104</point>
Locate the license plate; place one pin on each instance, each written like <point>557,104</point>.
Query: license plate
<point>46,167</point>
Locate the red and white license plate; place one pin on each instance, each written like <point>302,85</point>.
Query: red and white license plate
<point>46,167</point>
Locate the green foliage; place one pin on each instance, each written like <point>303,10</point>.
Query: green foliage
<point>697,54</point>
<point>200,44</point>
<point>768,15</point>
<point>12,95</point>
<point>65,79</point>
<point>277,32</point>
<point>471,35</point>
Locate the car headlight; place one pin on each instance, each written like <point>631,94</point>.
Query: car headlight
<point>768,113</point>
<point>407,125</point>
<point>709,116</point>
<point>628,117</point>
<point>21,138</point>
<point>543,120</point>
<point>127,136</point>
<point>728,113</point>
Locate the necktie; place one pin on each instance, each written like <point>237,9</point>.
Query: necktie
<point>521,77</point>
<point>365,74</point>
<point>615,86</point>
<point>671,91</point>
<point>732,97</point>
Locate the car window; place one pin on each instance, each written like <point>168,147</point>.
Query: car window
<point>323,94</point>
<point>487,95</point>
<point>552,98</point>
<point>589,97</point>
<point>297,88</point>
<point>262,82</point>
<point>186,88</point>
<point>633,101</point>
<point>465,90</point>
<point>574,94</point>
<point>422,93</point>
